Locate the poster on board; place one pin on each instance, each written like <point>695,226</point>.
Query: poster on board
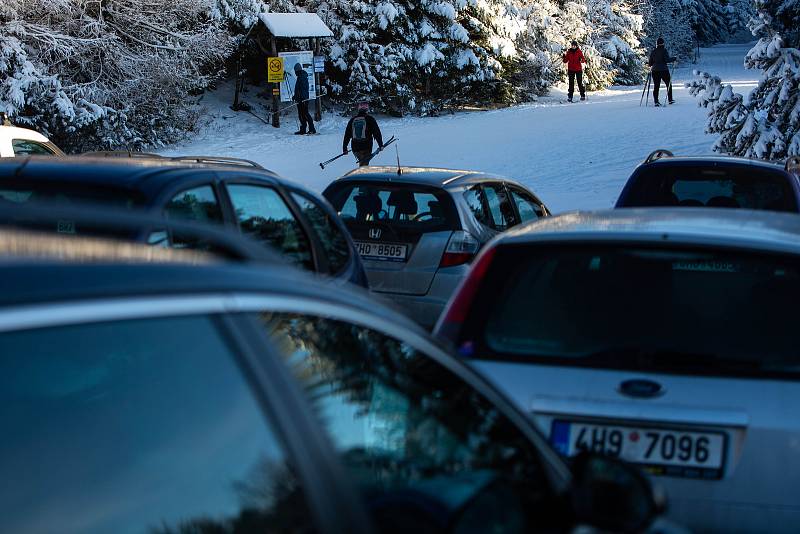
<point>306,59</point>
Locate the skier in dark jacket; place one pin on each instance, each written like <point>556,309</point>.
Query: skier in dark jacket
<point>659,59</point>
<point>360,132</point>
<point>573,58</point>
<point>301,97</point>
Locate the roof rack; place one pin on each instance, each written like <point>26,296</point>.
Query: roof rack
<point>214,160</point>
<point>793,164</point>
<point>120,154</point>
<point>658,154</point>
<point>218,160</point>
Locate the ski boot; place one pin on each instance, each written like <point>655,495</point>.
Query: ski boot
<point>583,97</point>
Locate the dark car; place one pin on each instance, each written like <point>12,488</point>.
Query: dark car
<point>712,181</point>
<point>233,195</point>
<point>144,396</point>
<point>418,228</point>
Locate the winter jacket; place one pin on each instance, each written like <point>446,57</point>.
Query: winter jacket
<point>301,86</point>
<point>372,132</point>
<point>573,58</point>
<point>659,58</point>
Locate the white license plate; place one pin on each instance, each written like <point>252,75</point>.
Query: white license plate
<point>662,451</point>
<point>382,251</point>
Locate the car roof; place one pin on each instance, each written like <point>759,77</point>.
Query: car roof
<point>144,174</point>
<point>713,161</point>
<point>15,132</point>
<point>738,228</point>
<point>428,176</point>
<point>38,281</point>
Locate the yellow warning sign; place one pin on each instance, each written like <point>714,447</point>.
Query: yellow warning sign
<point>275,69</point>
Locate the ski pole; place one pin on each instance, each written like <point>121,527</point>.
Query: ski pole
<point>647,96</point>
<point>322,165</point>
<point>644,88</point>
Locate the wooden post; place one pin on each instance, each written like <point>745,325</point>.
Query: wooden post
<point>275,97</point>
<point>318,100</point>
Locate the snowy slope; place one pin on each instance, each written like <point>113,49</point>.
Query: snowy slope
<point>572,155</point>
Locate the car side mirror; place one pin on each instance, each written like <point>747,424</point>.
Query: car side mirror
<point>611,495</point>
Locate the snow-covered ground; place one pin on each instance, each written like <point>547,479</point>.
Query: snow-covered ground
<point>574,156</point>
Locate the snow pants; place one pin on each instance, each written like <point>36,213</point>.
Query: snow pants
<point>305,118</point>
<point>659,75</point>
<point>363,157</point>
<point>572,76</point>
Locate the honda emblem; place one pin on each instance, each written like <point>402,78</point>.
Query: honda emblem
<point>375,233</point>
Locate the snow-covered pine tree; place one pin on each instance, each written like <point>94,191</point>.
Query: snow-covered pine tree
<point>411,55</point>
<point>616,37</point>
<point>540,46</point>
<point>107,75</point>
<point>709,20</point>
<point>668,19</point>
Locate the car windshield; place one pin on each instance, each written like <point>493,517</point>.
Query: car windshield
<point>726,187</point>
<point>639,308</point>
<point>405,206</point>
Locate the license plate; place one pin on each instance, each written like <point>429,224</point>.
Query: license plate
<point>661,451</point>
<point>382,251</point>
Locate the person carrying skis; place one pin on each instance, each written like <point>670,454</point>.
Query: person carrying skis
<point>360,132</point>
<point>659,58</point>
<point>573,58</point>
<point>301,97</point>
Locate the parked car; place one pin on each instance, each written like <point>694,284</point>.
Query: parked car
<point>664,337</point>
<point>15,141</point>
<point>143,395</point>
<point>232,194</point>
<point>418,229</point>
<point>713,181</point>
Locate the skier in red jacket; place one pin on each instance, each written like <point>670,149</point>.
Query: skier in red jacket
<point>573,58</point>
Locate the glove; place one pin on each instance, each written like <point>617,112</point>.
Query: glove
<point>344,150</point>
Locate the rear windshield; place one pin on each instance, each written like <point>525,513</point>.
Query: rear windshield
<point>406,206</point>
<point>733,187</point>
<point>693,311</point>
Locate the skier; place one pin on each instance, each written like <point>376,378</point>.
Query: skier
<point>659,58</point>
<point>573,58</point>
<point>362,129</point>
<point>301,97</point>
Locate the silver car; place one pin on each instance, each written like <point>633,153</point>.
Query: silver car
<point>665,337</point>
<point>418,229</point>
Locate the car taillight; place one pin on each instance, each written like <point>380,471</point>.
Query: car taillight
<point>461,248</point>
<point>457,310</point>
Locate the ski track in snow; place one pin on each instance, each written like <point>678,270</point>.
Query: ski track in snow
<point>573,156</point>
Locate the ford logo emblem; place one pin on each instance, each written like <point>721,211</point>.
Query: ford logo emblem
<point>641,389</point>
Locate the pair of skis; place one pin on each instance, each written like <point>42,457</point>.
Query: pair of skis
<point>391,140</point>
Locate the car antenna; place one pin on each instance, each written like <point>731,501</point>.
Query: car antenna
<point>399,169</point>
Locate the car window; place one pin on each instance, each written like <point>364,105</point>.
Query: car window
<point>477,204</point>
<point>412,434</point>
<point>143,426</point>
<point>197,204</point>
<point>26,147</point>
<point>528,208</point>
<point>263,215</point>
<point>502,216</point>
<point>730,187</point>
<point>401,207</point>
<point>333,241</point>
<point>666,309</point>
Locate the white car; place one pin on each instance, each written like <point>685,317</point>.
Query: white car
<point>15,142</point>
<point>664,337</point>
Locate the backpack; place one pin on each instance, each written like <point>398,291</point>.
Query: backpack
<point>360,129</point>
